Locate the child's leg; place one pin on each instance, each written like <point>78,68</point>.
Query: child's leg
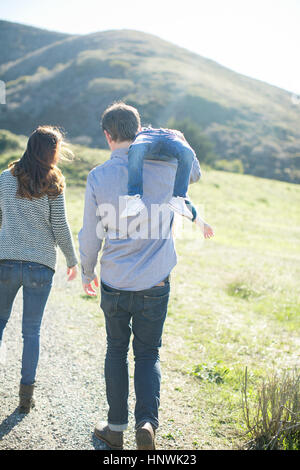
<point>136,157</point>
<point>185,160</point>
<point>173,146</point>
<point>146,144</point>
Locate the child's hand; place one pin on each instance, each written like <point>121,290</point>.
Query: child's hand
<point>208,231</point>
<point>205,227</point>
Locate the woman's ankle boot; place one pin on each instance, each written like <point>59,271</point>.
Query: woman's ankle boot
<point>26,398</point>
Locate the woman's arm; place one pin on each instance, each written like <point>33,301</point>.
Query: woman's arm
<point>61,229</point>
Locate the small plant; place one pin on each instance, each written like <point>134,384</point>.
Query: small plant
<point>169,436</point>
<point>249,285</point>
<point>273,416</point>
<point>242,290</point>
<point>213,373</point>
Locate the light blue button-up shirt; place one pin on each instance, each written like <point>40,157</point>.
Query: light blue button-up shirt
<point>138,252</point>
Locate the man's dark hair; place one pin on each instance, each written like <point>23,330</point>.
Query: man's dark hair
<point>121,121</point>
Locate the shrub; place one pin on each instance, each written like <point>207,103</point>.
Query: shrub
<point>213,373</point>
<point>110,85</point>
<point>273,416</point>
<point>196,138</point>
<point>234,166</point>
<point>8,141</point>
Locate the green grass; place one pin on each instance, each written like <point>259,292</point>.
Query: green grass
<point>235,299</point>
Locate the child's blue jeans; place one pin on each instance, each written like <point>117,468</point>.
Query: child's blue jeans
<point>159,144</point>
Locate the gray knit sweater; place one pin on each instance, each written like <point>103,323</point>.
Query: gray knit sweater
<point>30,230</point>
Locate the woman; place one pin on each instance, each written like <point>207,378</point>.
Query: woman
<point>32,222</point>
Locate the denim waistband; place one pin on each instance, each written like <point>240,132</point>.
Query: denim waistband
<point>25,263</point>
<point>112,289</point>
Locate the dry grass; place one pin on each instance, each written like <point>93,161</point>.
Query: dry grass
<point>272,413</point>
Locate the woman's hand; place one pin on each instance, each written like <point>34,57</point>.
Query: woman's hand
<point>72,272</point>
<point>88,288</point>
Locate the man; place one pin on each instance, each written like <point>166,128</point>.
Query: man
<point>135,266</point>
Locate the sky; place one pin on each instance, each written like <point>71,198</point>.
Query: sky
<point>258,38</point>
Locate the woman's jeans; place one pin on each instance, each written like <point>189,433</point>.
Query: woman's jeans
<point>142,313</point>
<point>159,144</point>
<point>36,280</point>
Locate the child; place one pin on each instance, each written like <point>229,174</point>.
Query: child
<point>162,144</point>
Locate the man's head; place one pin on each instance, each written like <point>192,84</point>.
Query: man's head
<point>120,123</point>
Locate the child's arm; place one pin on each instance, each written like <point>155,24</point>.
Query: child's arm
<point>196,171</point>
<point>206,229</point>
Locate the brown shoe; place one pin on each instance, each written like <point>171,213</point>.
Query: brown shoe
<point>26,401</point>
<point>114,439</point>
<point>145,437</point>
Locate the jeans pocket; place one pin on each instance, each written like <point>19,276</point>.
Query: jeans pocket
<point>6,272</point>
<point>155,307</point>
<point>39,275</point>
<point>109,301</point>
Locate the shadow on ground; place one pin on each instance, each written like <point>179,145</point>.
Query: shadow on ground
<point>10,422</point>
<point>99,445</point>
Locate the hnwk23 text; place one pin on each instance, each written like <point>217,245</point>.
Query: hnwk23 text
<point>151,459</point>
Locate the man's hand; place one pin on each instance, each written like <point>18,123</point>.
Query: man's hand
<point>72,273</point>
<point>88,288</point>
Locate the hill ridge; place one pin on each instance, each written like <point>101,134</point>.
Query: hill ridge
<point>69,82</point>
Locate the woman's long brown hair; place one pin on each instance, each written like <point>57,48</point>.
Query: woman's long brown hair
<point>36,171</point>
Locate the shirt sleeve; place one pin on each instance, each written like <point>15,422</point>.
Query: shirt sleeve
<point>91,235</point>
<point>61,229</point>
<point>196,171</point>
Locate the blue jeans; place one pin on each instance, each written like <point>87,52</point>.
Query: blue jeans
<point>159,144</point>
<point>36,280</point>
<point>142,313</point>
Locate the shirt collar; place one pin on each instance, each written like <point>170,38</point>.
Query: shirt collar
<point>120,153</point>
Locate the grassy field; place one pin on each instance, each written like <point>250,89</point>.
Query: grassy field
<point>235,301</point>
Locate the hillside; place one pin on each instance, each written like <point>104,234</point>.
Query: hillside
<point>70,82</point>
<point>18,40</point>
